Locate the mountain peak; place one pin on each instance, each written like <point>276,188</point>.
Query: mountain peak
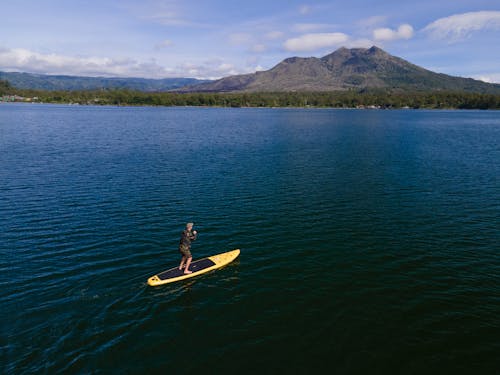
<point>375,49</point>
<point>343,51</point>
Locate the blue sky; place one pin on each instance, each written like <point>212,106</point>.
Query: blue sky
<point>212,39</point>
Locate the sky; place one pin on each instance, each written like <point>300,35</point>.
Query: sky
<point>214,38</point>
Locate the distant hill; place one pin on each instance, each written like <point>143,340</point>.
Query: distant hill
<point>62,82</point>
<point>344,69</point>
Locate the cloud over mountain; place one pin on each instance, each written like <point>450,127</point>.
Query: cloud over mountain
<point>404,31</point>
<point>311,42</point>
<point>462,25</point>
<point>24,60</point>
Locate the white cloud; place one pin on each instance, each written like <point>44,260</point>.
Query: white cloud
<point>488,77</point>
<point>311,42</point>
<point>225,67</point>
<point>23,60</point>
<point>459,26</point>
<point>404,31</point>
<point>360,43</point>
<point>210,69</point>
<point>274,35</point>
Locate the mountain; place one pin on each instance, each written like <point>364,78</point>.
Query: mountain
<point>357,68</point>
<point>344,69</point>
<point>62,82</point>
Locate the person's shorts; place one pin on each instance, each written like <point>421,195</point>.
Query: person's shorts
<point>185,251</point>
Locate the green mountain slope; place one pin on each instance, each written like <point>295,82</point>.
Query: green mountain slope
<point>61,82</point>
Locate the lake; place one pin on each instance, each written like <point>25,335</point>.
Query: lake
<point>369,240</point>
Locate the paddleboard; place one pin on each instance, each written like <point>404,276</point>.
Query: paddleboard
<point>198,267</point>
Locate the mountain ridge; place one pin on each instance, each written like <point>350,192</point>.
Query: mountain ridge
<point>344,69</point>
<point>71,83</point>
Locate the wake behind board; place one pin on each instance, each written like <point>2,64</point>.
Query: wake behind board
<point>198,267</point>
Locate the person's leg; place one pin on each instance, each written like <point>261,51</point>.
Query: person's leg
<point>183,260</point>
<point>186,270</point>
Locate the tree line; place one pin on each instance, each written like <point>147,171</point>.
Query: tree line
<point>386,99</point>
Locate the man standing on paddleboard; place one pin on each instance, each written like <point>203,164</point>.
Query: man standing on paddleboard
<point>188,235</point>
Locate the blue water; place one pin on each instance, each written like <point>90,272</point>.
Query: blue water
<point>370,240</point>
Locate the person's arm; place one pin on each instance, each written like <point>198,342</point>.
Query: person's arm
<point>193,236</point>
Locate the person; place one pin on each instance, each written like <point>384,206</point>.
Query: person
<point>188,235</point>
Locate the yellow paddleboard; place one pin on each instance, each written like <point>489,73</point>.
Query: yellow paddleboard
<point>198,267</point>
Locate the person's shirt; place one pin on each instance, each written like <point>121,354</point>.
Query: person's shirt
<point>187,237</point>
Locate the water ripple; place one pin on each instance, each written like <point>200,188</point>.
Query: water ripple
<point>369,239</point>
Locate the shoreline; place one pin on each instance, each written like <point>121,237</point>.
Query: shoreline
<point>246,107</point>
<point>376,99</point>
